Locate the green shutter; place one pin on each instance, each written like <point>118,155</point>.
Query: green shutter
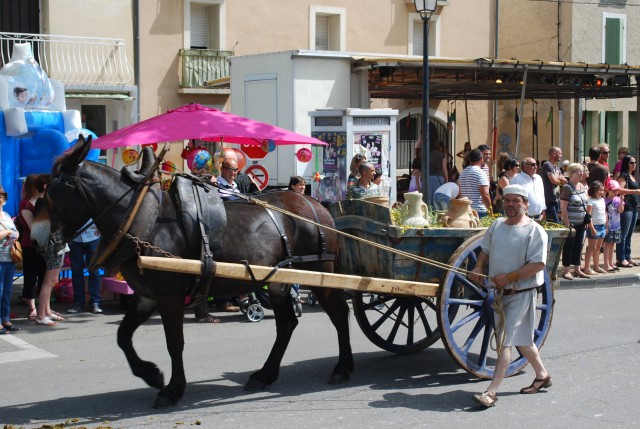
<point>613,41</point>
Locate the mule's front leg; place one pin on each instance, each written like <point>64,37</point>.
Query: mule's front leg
<point>172,312</point>
<point>335,305</point>
<point>286,322</point>
<point>138,312</point>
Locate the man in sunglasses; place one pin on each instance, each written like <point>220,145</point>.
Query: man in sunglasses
<point>226,181</point>
<point>532,182</point>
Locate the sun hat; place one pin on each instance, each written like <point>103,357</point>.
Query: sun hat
<point>515,190</point>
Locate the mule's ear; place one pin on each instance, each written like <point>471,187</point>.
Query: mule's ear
<point>148,158</point>
<point>74,156</point>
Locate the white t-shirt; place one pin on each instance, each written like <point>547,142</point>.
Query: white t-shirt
<point>450,189</point>
<point>598,211</point>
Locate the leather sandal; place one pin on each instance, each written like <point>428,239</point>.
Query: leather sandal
<point>542,383</point>
<point>486,399</point>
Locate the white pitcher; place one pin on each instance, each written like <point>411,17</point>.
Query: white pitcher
<point>417,210</point>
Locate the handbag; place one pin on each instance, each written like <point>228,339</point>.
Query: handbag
<point>16,249</point>
<point>587,216</point>
<point>16,252</point>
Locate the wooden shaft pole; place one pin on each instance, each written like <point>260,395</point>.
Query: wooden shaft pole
<point>288,275</point>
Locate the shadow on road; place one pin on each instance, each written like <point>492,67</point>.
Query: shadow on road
<point>376,370</point>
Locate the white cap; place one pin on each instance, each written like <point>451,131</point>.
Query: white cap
<point>515,190</point>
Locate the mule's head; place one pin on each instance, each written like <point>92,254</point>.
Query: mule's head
<point>64,206</point>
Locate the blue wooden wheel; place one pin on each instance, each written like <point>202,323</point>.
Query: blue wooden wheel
<point>466,317</point>
<point>398,324</point>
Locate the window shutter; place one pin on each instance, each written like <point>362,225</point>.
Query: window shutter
<point>418,29</point>
<point>199,27</point>
<point>322,33</point>
<point>613,41</point>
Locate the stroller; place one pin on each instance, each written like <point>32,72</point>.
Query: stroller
<point>254,304</point>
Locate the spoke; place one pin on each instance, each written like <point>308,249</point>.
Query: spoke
<point>470,302</point>
<point>465,320</point>
<point>425,322</point>
<point>396,325</point>
<point>468,284</point>
<point>385,316</point>
<point>542,307</point>
<point>486,341</point>
<point>472,336</point>
<point>410,316</point>
<point>431,304</point>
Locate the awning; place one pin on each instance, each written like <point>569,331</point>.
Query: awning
<point>496,79</point>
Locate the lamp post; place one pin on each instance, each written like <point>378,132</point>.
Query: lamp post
<point>425,8</point>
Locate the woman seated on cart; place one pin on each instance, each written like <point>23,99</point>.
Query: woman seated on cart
<point>364,187</point>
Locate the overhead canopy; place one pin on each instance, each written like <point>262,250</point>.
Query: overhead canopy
<point>496,79</point>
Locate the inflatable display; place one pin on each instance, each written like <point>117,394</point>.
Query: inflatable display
<point>35,127</point>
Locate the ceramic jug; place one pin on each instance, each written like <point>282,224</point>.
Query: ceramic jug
<point>460,215</point>
<point>417,211</point>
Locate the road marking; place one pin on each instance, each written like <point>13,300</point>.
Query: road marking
<point>27,351</point>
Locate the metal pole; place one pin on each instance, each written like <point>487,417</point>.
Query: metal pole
<point>524,89</point>
<point>425,111</point>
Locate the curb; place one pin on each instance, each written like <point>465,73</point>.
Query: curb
<point>595,283</point>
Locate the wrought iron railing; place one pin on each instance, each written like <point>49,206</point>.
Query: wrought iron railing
<point>200,66</point>
<point>75,61</point>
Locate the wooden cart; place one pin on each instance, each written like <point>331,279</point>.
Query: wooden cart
<point>401,305</point>
<point>459,311</point>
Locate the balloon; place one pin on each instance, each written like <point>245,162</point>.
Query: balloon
<point>185,152</point>
<point>200,159</point>
<point>304,155</point>
<point>153,146</point>
<point>129,156</point>
<point>242,159</point>
<point>168,166</point>
<point>27,83</point>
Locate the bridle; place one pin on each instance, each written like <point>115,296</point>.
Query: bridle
<point>139,189</point>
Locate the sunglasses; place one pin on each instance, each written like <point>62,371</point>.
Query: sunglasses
<point>605,153</point>
<point>531,165</point>
<point>231,169</point>
<point>630,162</point>
<point>4,195</point>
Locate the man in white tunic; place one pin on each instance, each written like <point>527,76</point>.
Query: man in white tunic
<point>516,250</point>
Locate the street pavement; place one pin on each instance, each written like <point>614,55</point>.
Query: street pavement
<point>74,374</point>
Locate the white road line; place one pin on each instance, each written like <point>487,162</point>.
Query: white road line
<point>27,351</point>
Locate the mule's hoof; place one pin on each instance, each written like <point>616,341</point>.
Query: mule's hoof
<point>164,401</point>
<point>255,385</point>
<point>337,378</point>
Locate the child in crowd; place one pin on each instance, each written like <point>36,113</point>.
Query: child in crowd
<point>597,229</point>
<point>614,205</point>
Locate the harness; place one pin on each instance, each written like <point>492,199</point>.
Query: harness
<point>322,254</point>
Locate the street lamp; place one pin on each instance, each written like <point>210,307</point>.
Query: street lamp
<point>425,8</point>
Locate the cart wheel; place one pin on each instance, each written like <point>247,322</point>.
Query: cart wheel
<point>398,324</point>
<point>255,313</point>
<point>466,317</point>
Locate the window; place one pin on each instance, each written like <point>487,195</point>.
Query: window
<point>416,28</point>
<point>204,26</point>
<point>327,28</point>
<point>614,38</point>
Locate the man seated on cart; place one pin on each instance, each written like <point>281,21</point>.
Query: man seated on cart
<point>515,248</point>
<point>364,187</point>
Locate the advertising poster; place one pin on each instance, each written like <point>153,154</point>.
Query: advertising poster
<point>333,170</point>
<point>370,147</point>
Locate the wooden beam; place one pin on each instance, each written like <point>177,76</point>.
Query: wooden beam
<point>288,275</point>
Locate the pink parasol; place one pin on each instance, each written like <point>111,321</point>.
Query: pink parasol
<point>194,121</point>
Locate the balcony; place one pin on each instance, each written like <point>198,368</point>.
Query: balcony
<point>80,63</point>
<point>201,68</point>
